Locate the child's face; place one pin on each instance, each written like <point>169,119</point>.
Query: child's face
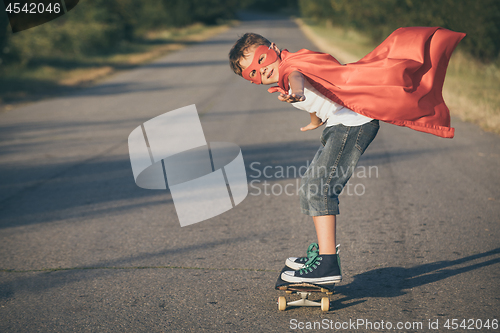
<point>262,64</point>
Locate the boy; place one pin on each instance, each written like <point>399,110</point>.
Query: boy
<point>400,82</point>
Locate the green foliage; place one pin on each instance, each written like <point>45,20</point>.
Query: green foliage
<point>184,12</point>
<point>100,26</point>
<point>479,19</point>
<point>268,6</point>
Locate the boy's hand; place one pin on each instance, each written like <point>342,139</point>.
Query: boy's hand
<point>315,122</point>
<point>310,127</point>
<point>299,97</point>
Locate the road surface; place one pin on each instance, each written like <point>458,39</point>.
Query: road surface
<point>84,249</point>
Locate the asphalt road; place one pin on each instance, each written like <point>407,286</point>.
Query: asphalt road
<point>419,229</point>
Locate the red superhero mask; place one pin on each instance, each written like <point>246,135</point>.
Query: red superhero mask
<point>271,56</point>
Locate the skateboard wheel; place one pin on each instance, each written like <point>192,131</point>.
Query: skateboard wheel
<point>289,291</point>
<point>325,304</point>
<point>282,303</point>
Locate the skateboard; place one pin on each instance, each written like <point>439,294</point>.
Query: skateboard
<point>304,290</point>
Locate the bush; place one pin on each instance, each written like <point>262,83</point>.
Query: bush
<point>479,19</point>
<point>99,26</point>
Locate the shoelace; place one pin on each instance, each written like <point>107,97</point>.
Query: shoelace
<point>310,263</point>
<point>312,249</point>
<point>312,254</point>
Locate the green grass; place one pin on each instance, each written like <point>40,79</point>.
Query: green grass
<point>350,40</point>
<point>49,76</point>
<point>471,89</point>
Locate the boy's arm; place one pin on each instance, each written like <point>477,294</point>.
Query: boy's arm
<point>296,81</point>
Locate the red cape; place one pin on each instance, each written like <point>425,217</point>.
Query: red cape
<point>400,82</point>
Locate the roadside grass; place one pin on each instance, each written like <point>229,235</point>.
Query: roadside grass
<point>47,77</point>
<point>471,89</point>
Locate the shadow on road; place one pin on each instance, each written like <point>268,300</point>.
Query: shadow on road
<point>378,283</point>
<point>37,281</point>
<point>55,190</point>
<point>394,281</point>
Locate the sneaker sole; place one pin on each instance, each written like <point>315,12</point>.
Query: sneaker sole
<point>324,280</point>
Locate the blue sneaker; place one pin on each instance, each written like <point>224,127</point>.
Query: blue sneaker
<point>323,269</point>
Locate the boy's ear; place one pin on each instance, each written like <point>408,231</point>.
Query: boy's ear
<point>275,48</point>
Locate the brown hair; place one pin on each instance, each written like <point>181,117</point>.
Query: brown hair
<point>241,46</point>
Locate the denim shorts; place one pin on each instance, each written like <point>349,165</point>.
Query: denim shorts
<point>332,166</point>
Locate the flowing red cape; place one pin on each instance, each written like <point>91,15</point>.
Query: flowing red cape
<point>399,82</point>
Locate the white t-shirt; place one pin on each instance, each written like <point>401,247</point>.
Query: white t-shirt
<point>328,111</point>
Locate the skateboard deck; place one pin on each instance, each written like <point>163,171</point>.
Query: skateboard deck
<point>304,290</point>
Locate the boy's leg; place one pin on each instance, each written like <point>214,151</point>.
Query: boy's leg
<point>326,232</point>
<point>342,148</point>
